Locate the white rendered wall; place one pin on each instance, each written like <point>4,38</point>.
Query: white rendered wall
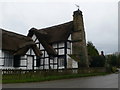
<point>71,63</point>
<point>41,47</point>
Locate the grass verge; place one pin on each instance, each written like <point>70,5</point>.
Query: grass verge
<point>23,78</point>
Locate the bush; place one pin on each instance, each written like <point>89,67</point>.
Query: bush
<point>113,69</point>
<point>97,61</point>
<point>113,60</point>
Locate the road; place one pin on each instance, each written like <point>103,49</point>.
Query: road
<point>107,81</point>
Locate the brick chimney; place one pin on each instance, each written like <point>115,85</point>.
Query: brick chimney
<point>79,48</point>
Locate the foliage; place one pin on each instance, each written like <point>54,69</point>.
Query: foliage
<point>97,61</point>
<point>113,60</point>
<point>113,69</point>
<point>94,58</point>
<point>92,51</point>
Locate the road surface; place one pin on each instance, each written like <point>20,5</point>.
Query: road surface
<point>107,81</point>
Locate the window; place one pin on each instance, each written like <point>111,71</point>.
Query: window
<point>61,61</point>
<point>61,45</point>
<point>61,51</point>
<point>8,60</point>
<point>23,63</point>
<point>16,61</point>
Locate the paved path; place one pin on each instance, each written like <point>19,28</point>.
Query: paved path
<point>107,81</point>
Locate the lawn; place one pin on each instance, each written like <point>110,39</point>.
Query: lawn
<point>36,77</point>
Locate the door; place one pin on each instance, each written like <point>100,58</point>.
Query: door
<point>30,62</point>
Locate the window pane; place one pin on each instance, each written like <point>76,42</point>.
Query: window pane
<point>61,45</point>
<point>61,51</point>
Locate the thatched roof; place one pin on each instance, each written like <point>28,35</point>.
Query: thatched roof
<point>47,36</point>
<point>18,44</point>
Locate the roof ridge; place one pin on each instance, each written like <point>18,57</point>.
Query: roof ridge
<point>12,32</point>
<point>56,25</point>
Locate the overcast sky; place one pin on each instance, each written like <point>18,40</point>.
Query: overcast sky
<point>100,19</point>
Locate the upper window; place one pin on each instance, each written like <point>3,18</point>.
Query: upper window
<point>8,60</point>
<point>61,45</point>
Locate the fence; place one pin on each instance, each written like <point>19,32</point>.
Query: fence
<point>54,71</point>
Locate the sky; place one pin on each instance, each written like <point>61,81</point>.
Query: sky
<point>100,18</point>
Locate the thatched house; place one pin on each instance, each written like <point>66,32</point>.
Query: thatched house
<point>62,46</point>
<point>17,51</point>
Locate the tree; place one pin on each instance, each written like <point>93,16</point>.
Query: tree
<point>92,51</point>
<point>114,60</point>
<point>94,58</point>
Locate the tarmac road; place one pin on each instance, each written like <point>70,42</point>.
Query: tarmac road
<point>107,81</point>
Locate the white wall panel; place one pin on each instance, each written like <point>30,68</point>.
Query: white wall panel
<point>46,55</point>
<point>69,38</point>
<point>37,41</point>
<point>34,37</point>
<point>41,47</point>
<point>32,52</point>
<point>28,52</point>
<point>71,63</point>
